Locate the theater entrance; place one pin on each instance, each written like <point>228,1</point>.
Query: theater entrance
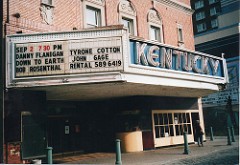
<point>81,131</point>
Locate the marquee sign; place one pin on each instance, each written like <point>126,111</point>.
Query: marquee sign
<point>103,55</point>
<point>171,58</point>
<point>67,57</point>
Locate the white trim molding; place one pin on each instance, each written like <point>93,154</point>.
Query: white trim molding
<point>177,5</point>
<point>154,19</point>
<point>126,10</point>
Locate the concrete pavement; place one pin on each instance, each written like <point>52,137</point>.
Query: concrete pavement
<point>166,156</point>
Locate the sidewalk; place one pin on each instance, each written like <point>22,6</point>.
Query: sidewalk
<point>161,156</point>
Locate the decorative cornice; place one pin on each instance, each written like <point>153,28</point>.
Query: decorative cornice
<point>154,17</point>
<point>177,5</point>
<point>126,7</point>
<point>98,2</point>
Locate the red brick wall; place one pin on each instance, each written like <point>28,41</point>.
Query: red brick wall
<point>69,14</point>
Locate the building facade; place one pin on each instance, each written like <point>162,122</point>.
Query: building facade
<point>79,74</point>
<point>216,27</point>
<point>216,31</point>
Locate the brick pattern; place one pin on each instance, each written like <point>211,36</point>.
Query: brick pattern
<point>69,14</point>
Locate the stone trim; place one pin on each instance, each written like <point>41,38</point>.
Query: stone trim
<point>154,17</point>
<point>98,2</point>
<point>126,7</point>
<point>177,5</point>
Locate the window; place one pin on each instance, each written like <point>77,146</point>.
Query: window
<point>212,1</point>
<point>199,4</point>
<point>163,125</point>
<point>155,33</point>
<point>214,23</point>
<point>128,23</point>
<point>93,13</point>
<point>127,16</point>
<point>155,26</point>
<point>171,124</point>
<point>201,27</point>
<point>180,34</point>
<point>200,15</point>
<point>182,123</point>
<point>214,11</point>
<point>93,17</point>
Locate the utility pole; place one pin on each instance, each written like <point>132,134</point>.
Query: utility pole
<point>1,85</point>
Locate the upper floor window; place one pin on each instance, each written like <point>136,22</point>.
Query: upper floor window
<point>155,33</point>
<point>199,4</point>
<point>180,35</point>
<point>201,27</point>
<point>127,16</point>
<point>214,11</point>
<point>214,23</point>
<point>155,26</point>
<point>93,13</point>
<point>212,1</point>
<point>128,23</point>
<point>93,17</point>
<point>200,15</point>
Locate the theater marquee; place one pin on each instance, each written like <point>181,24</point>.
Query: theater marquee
<point>67,57</point>
<point>105,55</point>
<point>164,57</point>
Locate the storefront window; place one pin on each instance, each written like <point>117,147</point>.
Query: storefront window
<point>171,124</point>
<point>163,125</point>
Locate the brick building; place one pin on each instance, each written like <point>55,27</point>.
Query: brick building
<point>81,73</point>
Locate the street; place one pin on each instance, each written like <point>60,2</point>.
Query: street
<point>226,157</point>
<point>215,152</point>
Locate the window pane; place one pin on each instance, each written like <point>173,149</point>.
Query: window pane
<point>184,118</point>
<point>155,33</point>
<point>177,130</point>
<point>212,1</point>
<point>162,132</point>
<point>200,15</point>
<point>189,129</point>
<point>180,118</point>
<point>176,120</point>
<point>170,118</point>
<point>128,23</point>
<point>214,11</point>
<point>214,23</point>
<point>185,128</point>
<point>180,34</point>
<point>156,122</point>
<point>171,130</point>
<point>92,17</point>
<point>188,117</point>
<point>201,27</point>
<point>161,119</point>
<point>181,130</point>
<point>125,23</point>
<point>157,132</point>
<point>199,4</point>
<point>165,118</point>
